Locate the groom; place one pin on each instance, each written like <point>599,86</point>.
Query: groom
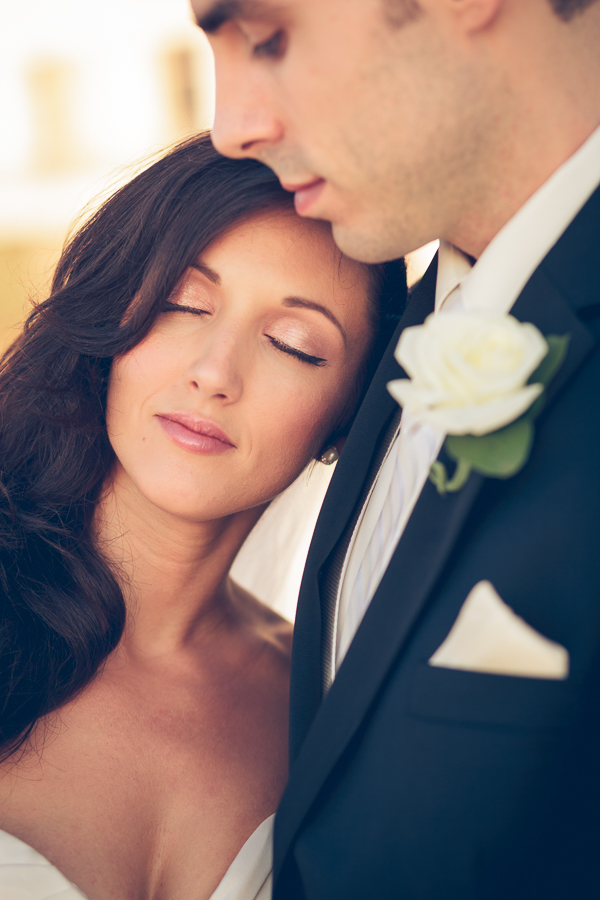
<point>445,707</point>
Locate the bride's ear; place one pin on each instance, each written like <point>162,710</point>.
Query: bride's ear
<point>331,453</point>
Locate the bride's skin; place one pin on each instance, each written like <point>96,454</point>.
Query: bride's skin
<point>148,784</point>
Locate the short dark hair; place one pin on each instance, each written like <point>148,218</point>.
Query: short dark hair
<point>566,9</point>
<point>62,611</point>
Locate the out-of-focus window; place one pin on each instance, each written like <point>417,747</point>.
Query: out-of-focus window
<point>87,91</point>
<point>55,145</point>
<point>180,80</point>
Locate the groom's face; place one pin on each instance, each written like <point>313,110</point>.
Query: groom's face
<point>357,105</point>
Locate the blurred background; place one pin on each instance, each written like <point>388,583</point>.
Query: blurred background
<point>88,92</point>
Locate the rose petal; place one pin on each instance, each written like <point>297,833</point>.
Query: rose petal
<point>468,370</point>
<point>408,395</point>
<point>488,417</point>
<point>407,350</point>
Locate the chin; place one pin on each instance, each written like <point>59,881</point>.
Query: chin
<point>175,493</point>
<point>365,245</point>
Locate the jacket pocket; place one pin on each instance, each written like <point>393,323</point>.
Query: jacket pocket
<point>453,695</point>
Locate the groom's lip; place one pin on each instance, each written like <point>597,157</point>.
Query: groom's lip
<point>305,194</point>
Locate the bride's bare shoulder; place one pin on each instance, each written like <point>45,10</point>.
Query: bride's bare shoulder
<point>271,626</point>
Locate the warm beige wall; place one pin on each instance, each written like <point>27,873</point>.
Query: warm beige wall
<point>83,98</point>
<point>25,273</point>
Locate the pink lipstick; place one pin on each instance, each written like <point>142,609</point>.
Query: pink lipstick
<point>194,434</point>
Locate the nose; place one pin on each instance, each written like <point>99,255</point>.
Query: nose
<point>246,120</point>
<point>215,374</point>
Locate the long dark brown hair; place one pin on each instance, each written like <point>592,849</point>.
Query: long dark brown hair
<point>62,608</point>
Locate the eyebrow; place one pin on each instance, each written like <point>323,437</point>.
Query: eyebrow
<point>224,11</point>
<point>290,302</point>
<point>300,302</point>
<point>208,272</point>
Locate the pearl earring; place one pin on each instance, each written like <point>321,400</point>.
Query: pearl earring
<point>329,455</point>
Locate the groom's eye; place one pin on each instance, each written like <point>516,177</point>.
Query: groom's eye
<point>274,47</point>
<point>299,354</point>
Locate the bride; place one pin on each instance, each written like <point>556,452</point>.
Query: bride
<point>201,345</point>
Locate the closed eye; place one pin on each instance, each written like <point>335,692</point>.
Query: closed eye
<point>274,47</point>
<point>291,351</point>
<point>180,307</point>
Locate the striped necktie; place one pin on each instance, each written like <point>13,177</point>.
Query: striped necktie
<point>397,488</point>
<point>331,575</point>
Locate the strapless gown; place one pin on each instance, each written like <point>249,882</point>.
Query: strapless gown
<point>26,875</point>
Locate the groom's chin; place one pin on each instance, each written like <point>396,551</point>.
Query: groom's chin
<point>367,243</point>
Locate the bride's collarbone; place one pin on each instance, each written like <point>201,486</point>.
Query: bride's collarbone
<point>131,785</point>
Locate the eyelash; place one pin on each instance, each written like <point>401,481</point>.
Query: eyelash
<point>178,307</point>
<point>305,357</point>
<point>279,345</point>
<point>274,47</point>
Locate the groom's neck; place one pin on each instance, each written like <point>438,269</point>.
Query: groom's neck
<point>544,86</point>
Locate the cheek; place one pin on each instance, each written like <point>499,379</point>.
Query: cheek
<point>134,378</point>
<point>290,428</point>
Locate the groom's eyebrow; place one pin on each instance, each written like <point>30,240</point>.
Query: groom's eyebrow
<point>224,11</point>
<point>310,304</point>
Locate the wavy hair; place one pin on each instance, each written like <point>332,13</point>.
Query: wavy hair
<point>62,609</point>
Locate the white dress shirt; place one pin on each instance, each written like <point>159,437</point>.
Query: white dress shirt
<point>493,283</point>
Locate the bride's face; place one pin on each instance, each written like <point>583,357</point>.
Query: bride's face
<point>244,374</point>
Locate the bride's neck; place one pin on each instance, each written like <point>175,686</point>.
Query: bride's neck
<point>173,572</point>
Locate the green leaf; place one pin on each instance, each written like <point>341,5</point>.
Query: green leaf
<point>558,344</point>
<point>497,455</point>
<point>536,408</point>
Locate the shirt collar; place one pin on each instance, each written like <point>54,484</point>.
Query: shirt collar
<point>453,267</point>
<point>507,263</point>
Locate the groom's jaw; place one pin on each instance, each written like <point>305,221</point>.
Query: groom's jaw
<point>435,126</point>
<point>316,107</point>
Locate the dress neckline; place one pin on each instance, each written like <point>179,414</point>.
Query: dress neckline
<point>33,877</point>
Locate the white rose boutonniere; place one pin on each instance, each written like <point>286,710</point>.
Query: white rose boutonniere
<point>480,378</point>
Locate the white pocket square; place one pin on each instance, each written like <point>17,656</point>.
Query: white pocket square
<point>488,636</point>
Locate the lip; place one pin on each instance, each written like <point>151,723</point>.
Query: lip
<point>194,434</point>
<point>305,194</point>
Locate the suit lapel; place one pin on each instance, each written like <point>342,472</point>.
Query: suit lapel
<point>563,289</point>
<point>370,421</point>
<point>541,304</point>
<point>425,547</point>
<point>343,493</point>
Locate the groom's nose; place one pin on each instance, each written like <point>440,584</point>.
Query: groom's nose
<point>246,122</point>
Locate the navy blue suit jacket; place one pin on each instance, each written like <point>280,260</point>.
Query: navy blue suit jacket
<point>409,781</point>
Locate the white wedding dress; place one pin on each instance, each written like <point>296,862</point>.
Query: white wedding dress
<point>26,875</point>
